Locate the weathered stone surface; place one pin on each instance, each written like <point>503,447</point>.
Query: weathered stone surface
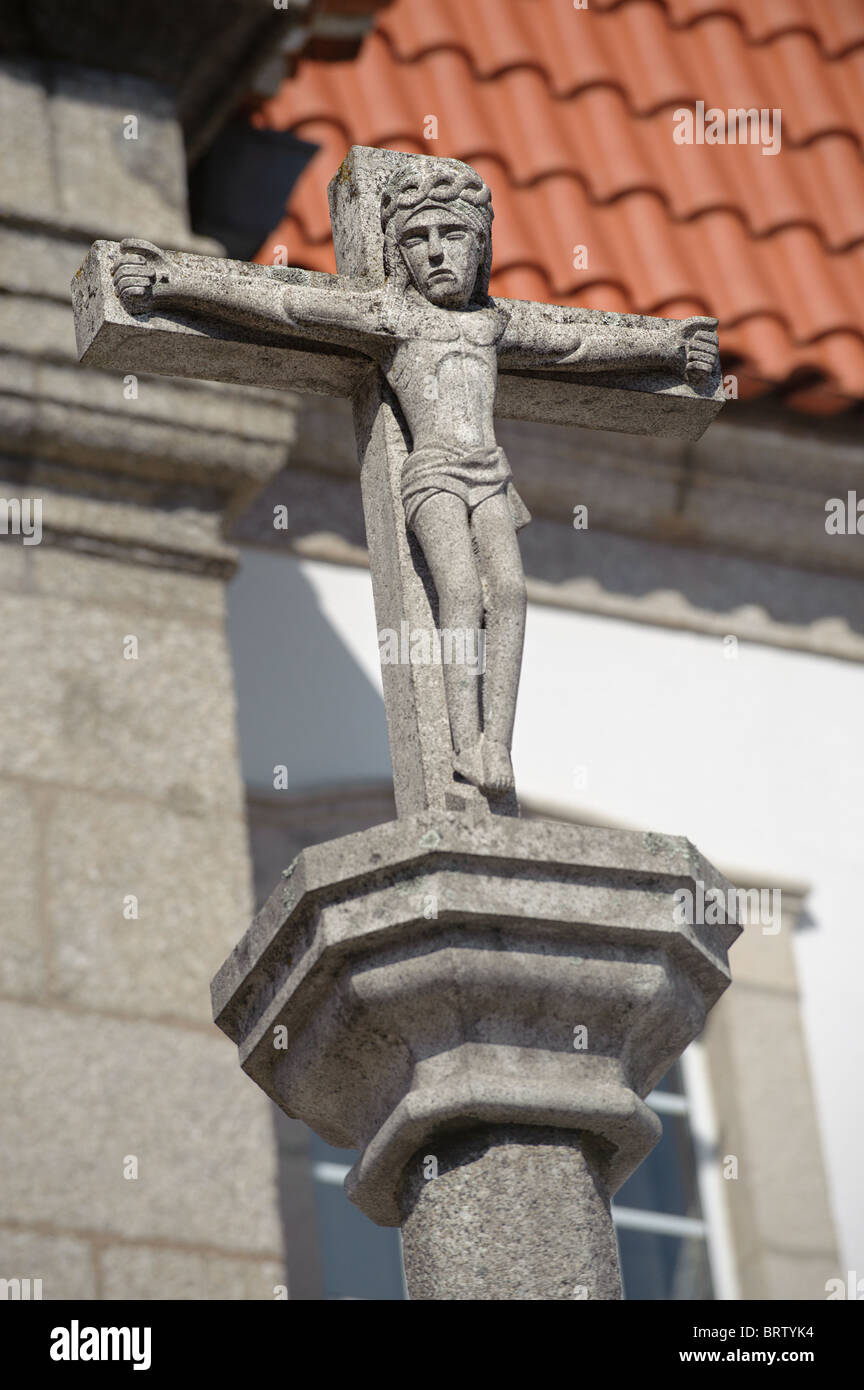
<point>40,323</point>
<point>36,264</point>
<point>80,713</point>
<point>72,160</point>
<point>423,977</point>
<point>109,1089</point>
<point>131,1273</point>
<point>415,696</point>
<point>619,399</point>
<point>25,141</point>
<point>115,585</point>
<point>225,437</point>
<point>207,52</point>
<point>157,962</point>
<point>409,330</point>
<point>513,1212</point>
<point>83,150</point>
<point>171,344</point>
<point>64,1265</point>
<point>429,974</point>
<point>85,1090</point>
<point>97,764</point>
<point>23,959</point>
<point>185,539</point>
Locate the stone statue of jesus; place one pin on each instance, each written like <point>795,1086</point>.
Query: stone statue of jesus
<point>437,337</point>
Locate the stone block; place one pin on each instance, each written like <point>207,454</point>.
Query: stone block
<point>40,323</point>
<point>114,584</point>
<point>66,1266</point>
<point>22,941</point>
<point>15,565</point>
<point>86,150</point>
<point>28,187</point>
<point>82,1094</point>
<point>123,163</point>
<point>103,854</point>
<point>35,264</point>
<point>161,726</point>
<point>134,1273</point>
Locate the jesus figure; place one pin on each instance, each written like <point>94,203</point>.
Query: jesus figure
<point>437,337</point>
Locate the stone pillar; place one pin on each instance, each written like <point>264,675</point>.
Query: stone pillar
<point>137,1164</point>
<point>529,1201</point>
<point>480,1005</point>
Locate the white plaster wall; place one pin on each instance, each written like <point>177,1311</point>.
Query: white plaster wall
<point>757,760</point>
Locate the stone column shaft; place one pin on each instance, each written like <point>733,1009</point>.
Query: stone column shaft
<point>514,1212</point>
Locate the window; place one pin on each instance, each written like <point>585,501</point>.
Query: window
<point>662,1236</point>
<point>358,1259</point>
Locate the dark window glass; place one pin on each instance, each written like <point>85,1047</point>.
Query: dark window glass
<point>358,1259</point>
<point>671,1268</point>
<point>672,1081</point>
<point>666,1180</point>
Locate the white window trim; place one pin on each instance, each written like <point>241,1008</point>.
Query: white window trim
<point>712,1195</point>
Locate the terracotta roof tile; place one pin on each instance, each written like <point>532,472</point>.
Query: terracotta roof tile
<point>633,49</point>
<point>837,24</point>
<point>381,102</point>
<point>568,115</point>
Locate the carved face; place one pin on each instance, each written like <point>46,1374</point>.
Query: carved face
<point>443,256</point>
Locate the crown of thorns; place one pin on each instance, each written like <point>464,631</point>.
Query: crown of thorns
<point>410,191</point>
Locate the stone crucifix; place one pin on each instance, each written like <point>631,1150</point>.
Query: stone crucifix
<point>413,237</point>
<point>450,1039</point>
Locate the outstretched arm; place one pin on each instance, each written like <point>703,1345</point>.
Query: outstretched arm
<point>685,347</point>
<point>148,280</point>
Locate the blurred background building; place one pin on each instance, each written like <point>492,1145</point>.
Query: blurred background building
<point>693,660</point>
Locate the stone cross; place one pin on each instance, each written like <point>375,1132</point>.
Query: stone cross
<point>408,329</point>
<point>490,1063</point>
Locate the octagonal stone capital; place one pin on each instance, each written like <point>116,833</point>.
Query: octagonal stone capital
<point>444,971</point>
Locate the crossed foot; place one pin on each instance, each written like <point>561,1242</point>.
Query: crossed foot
<point>485,764</point>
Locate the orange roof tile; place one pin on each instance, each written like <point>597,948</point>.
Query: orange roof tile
<point>568,114</point>
<point>837,24</point>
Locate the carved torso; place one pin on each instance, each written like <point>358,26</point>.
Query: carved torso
<point>443,368</point>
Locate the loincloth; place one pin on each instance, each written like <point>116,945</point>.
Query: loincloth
<point>471,477</point>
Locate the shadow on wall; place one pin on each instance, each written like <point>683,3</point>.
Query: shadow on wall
<point>304,701</point>
<point>635,567</point>
<point>554,467</point>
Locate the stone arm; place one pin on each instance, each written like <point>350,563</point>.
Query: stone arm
<point>148,280</point>
<point>684,347</point>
